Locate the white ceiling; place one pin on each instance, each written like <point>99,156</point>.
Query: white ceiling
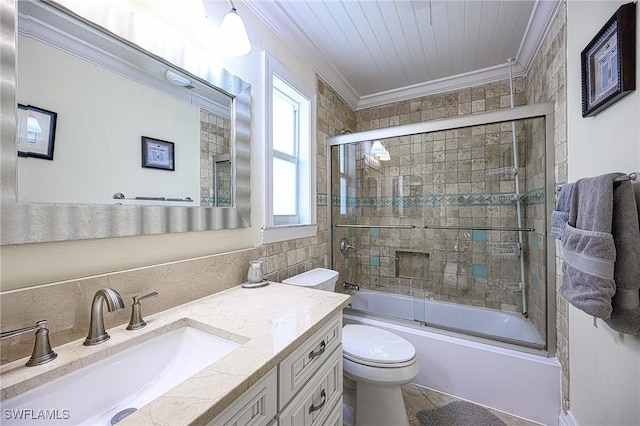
<point>378,51</point>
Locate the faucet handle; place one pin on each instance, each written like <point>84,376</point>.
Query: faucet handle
<point>42,352</point>
<point>136,322</point>
<point>137,299</point>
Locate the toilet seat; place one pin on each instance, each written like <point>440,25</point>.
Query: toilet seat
<point>375,347</point>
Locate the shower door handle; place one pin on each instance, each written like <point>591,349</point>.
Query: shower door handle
<point>313,354</point>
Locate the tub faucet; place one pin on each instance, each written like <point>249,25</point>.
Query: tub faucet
<point>349,286</point>
<point>345,246</point>
<point>97,333</point>
<point>42,351</point>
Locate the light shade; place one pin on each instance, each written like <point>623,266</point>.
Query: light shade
<point>384,156</point>
<point>377,148</point>
<point>233,35</point>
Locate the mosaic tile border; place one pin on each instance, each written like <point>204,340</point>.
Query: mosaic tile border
<point>537,196</point>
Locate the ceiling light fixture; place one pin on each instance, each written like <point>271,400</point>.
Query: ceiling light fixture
<point>377,148</point>
<point>233,34</point>
<point>177,79</point>
<point>384,156</point>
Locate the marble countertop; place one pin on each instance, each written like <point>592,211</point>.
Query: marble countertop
<point>269,323</point>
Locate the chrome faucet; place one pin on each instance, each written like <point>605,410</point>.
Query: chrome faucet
<point>136,322</point>
<point>345,246</point>
<point>350,286</point>
<point>97,333</point>
<point>42,352</point>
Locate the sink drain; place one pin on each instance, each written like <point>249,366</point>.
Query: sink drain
<point>121,415</point>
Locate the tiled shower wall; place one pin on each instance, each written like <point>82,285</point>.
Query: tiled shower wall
<point>215,137</point>
<point>451,179</point>
<point>439,179</point>
<point>546,82</point>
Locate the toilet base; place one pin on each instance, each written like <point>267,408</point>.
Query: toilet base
<point>379,405</point>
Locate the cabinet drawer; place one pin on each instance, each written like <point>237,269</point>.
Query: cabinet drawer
<point>335,417</point>
<point>295,370</point>
<point>318,398</point>
<point>256,407</point>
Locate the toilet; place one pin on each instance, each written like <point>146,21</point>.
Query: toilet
<point>376,362</point>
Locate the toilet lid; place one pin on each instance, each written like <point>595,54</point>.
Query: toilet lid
<point>370,344</point>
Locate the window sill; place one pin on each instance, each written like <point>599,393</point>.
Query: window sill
<point>274,234</point>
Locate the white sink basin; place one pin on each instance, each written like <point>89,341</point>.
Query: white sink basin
<point>94,394</point>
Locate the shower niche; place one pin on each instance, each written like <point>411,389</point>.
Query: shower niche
<point>412,264</point>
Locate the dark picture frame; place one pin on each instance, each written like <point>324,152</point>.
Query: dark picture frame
<point>609,62</point>
<point>36,132</point>
<point>158,154</point>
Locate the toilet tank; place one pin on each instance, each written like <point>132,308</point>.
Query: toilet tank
<point>319,278</point>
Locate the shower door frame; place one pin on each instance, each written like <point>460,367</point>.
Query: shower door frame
<point>544,111</point>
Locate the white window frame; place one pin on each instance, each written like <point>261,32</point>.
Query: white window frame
<point>272,232</point>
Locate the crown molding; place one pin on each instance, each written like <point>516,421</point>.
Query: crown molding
<point>538,26</point>
<point>285,28</point>
<point>544,12</point>
<point>441,85</point>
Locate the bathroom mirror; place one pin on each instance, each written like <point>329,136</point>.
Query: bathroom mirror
<point>171,141</point>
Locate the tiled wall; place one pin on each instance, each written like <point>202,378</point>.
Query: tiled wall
<point>546,82</point>
<point>441,178</point>
<point>215,136</point>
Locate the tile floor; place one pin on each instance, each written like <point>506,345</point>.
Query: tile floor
<point>417,398</point>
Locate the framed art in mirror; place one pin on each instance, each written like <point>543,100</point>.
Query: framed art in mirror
<point>36,132</point>
<point>158,154</point>
<point>609,62</point>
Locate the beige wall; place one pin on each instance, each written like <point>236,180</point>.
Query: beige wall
<point>605,365</point>
<point>97,150</point>
<point>28,265</point>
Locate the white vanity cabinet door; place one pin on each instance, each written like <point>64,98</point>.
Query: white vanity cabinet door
<point>297,368</point>
<point>335,417</point>
<point>317,400</point>
<point>256,407</point>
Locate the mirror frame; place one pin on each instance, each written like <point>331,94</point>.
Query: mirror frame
<point>35,222</point>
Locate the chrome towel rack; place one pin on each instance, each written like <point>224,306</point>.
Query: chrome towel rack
<point>120,196</point>
<point>624,178</point>
<point>464,228</point>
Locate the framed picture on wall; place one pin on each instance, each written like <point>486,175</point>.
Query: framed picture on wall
<point>609,62</point>
<point>36,132</point>
<point>157,154</point>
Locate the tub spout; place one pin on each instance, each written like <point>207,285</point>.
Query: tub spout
<point>350,286</point>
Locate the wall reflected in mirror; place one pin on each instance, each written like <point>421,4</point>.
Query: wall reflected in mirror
<point>101,117</point>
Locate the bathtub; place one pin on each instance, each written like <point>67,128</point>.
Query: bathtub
<point>514,381</point>
<point>505,326</point>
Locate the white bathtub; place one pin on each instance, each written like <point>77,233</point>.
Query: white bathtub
<point>516,382</point>
<point>508,326</point>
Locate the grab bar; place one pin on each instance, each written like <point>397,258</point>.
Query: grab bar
<point>481,228</point>
<point>466,228</point>
<point>377,226</point>
<point>120,196</point>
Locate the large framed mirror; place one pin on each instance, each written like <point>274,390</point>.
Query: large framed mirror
<point>141,145</point>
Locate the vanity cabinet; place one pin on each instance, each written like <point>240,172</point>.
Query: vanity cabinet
<point>256,407</point>
<point>304,389</point>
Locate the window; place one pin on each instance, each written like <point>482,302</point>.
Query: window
<point>290,208</point>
